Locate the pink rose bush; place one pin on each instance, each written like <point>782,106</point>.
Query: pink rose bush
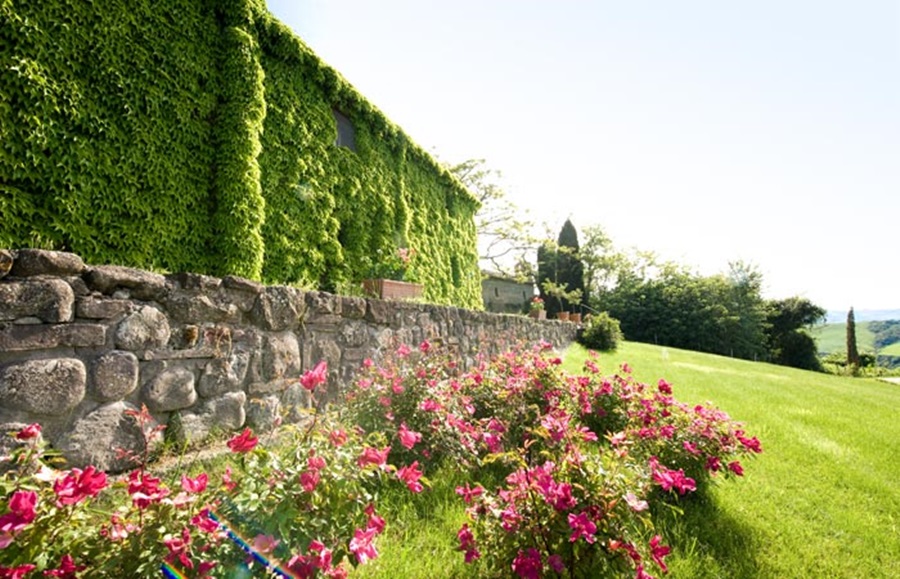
<point>566,473</point>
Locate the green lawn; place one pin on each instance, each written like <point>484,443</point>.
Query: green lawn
<point>892,350</point>
<point>821,501</point>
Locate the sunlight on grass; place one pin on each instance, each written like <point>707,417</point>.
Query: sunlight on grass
<point>821,501</point>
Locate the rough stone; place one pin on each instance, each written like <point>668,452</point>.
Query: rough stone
<point>49,387</point>
<point>30,262</point>
<point>28,321</point>
<point>226,412</point>
<point>353,308</point>
<point>141,284</point>
<point>97,438</point>
<point>9,443</point>
<point>144,329</point>
<point>51,300</point>
<point>6,262</point>
<point>44,337</point>
<point>200,308</point>
<point>354,334</point>
<point>195,281</point>
<point>241,284</point>
<point>294,401</point>
<point>223,375</point>
<point>278,308</point>
<point>171,389</point>
<point>79,288</point>
<point>264,413</point>
<point>323,303</point>
<point>94,308</point>
<point>281,356</point>
<point>114,375</point>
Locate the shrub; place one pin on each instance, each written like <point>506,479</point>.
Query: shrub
<point>601,333</point>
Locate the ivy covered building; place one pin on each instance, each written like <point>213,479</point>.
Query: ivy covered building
<point>204,136</point>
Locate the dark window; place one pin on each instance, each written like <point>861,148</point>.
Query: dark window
<point>346,135</point>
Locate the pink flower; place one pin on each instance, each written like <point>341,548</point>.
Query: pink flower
<point>664,387</point>
<point>528,564</point>
<point>338,437</point>
<point>21,512</point>
<point>29,432</point>
<point>659,552</point>
<point>636,504</point>
<point>15,572</point>
<point>243,442</point>
<point>265,543</point>
<point>557,564</point>
<point>194,485</point>
<point>408,438</point>
<point>373,456</point>
<point>582,526</point>
<point>736,468</point>
<point>316,376</point>
<point>78,484</point>
<point>180,548</point>
<point>713,464</point>
<point>227,482</point>
<point>424,346</point>
<point>411,475</point>
<point>315,462</point>
<point>309,479</point>
<point>671,479</point>
<point>361,545</point>
<point>429,405</point>
<point>639,573</point>
<point>144,489</point>
<point>751,444</point>
<point>67,568</point>
<point>403,351</point>
<point>468,493</point>
<point>204,522</point>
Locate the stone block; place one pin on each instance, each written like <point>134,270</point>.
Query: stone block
<point>96,308</point>
<point>195,281</point>
<point>224,375</point>
<point>278,308</point>
<point>6,262</point>
<point>50,387</point>
<point>225,412</point>
<point>280,356</point>
<point>31,262</point>
<point>196,309</point>
<point>323,303</point>
<point>44,337</point>
<point>142,285</point>
<point>97,438</point>
<point>171,389</point>
<point>263,413</point>
<point>114,375</point>
<point>353,308</point>
<point>50,300</point>
<point>147,328</point>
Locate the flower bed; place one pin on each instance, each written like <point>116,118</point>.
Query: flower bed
<point>583,459</point>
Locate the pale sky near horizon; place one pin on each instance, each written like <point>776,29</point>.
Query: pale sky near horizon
<point>706,131</point>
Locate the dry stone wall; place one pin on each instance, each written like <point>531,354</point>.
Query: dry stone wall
<point>82,346</point>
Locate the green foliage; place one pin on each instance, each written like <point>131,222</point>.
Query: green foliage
<point>601,333</point>
<point>199,136</point>
<point>561,272</point>
<point>789,340</point>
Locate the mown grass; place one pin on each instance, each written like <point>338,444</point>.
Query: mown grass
<point>821,501</point>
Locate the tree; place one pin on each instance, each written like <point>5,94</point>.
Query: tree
<point>504,236</point>
<point>560,272</point>
<point>789,344</point>
<point>852,351</point>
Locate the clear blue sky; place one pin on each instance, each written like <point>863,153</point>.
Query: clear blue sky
<point>706,131</point>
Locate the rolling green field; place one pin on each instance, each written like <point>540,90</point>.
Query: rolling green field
<point>833,337</point>
<point>821,501</point>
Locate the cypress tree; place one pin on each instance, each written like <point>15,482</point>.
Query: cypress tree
<point>570,269</point>
<point>852,352</point>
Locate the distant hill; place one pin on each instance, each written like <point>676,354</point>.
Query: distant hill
<point>836,316</point>
<point>833,337</point>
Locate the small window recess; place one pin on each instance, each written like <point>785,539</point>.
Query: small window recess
<point>346,134</point>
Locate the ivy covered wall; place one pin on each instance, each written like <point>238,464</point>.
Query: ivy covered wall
<point>199,135</point>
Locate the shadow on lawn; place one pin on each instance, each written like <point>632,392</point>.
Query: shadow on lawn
<point>708,542</point>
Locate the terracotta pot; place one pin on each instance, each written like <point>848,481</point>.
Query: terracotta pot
<point>391,289</point>
<point>575,317</point>
<point>564,316</point>
<point>538,314</point>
